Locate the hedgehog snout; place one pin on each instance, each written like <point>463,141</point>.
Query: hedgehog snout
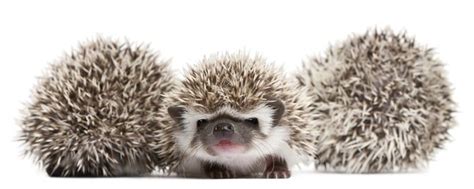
<point>223,130</point>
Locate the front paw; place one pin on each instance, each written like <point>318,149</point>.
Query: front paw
<point>278,174</point>
<point>276,168</point>
<point>221,174</point>
<point>217,171</point>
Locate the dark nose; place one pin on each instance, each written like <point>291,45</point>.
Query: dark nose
<point>223,130</point>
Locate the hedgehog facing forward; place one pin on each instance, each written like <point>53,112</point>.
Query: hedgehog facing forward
<point>93,113</point>
<point>382,102</point>
<point>235,116</point>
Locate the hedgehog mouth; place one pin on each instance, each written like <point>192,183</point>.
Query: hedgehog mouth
<point>227,147</point>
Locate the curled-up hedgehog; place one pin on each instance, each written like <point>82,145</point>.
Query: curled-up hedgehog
<point>235,116</point>
<point>93,113</point>
<point>381,101</point>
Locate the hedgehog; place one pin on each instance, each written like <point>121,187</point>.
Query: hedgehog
<point>233,116</point>
<point>381,101</point>
<point>93,112</point>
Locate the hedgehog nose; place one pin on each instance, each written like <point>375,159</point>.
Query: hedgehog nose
<point>223,130</point>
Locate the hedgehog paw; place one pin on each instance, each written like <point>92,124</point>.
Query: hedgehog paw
<point>218,171</point>
<point>276,168</point>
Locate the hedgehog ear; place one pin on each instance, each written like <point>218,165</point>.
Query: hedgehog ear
<point>176,112</point>
<point>279,108</point>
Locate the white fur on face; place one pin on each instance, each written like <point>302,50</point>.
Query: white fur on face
<point>274,144</point>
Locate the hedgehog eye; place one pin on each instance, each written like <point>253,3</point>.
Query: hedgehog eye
<point>201,122</point>
<point>253,121</point>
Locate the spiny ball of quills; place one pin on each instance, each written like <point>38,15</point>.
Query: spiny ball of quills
<point>241,82</point>
<point>92,114</point>
<point>382,101</point>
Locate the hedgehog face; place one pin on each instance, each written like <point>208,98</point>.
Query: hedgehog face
<point>228,132</point>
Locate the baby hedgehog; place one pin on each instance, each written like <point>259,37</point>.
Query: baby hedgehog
<point>381,101</point>
<point>93,112</point>
<point>236,116</point>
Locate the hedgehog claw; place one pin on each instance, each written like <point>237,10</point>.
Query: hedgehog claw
<point>221,174</point>
<point>278,174</point>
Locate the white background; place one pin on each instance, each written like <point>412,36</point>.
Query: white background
<point>35,33</point>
